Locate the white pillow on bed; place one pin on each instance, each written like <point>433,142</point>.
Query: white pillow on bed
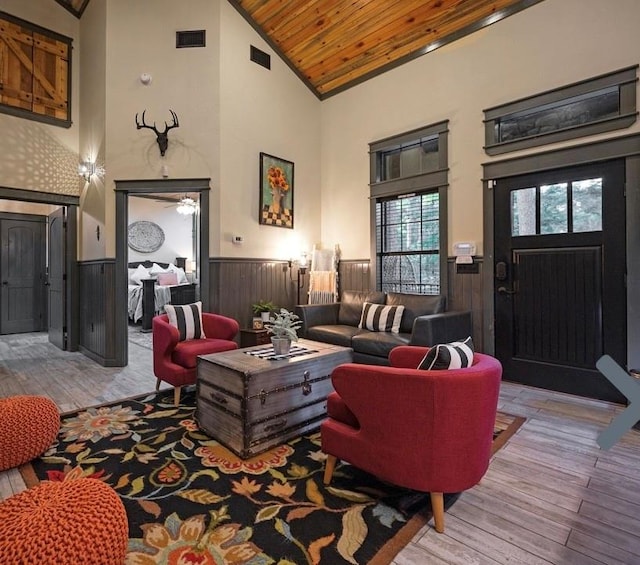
<point>157,269</point>
<point>139,274</point>
<point>182,276</point>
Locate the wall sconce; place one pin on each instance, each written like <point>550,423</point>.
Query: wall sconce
<point>86,169</point>
<point>301,263</point>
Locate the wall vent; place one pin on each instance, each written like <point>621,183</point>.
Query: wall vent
<point>195,38</point>
<point>263,59</point>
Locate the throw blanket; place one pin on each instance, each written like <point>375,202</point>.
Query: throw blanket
<point>162,297</point>
<point>322,287</point>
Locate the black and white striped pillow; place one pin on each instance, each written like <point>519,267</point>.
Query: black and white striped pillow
<point>381,318</point>
<point>454,355</point>
<point>188,320</point>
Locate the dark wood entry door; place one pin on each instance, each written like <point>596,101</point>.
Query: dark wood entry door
<point>560,301</point>
<point>56,279</point>
<point>22,272</point>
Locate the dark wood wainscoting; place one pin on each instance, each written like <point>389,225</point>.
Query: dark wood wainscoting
<point>98,333</point>
<point>465,293</point>
<point>354,274</point>
<point>236,284</point>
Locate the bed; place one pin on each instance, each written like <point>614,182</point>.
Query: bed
<point>152,284</point>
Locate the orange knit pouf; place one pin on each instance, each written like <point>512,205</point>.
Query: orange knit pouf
<point>64,523</point>
<point>28,426</point>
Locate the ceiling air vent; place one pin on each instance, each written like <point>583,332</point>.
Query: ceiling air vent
<point>260,57</point>
<point>195,38</point>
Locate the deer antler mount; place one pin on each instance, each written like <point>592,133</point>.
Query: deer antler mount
<point>162,139</point>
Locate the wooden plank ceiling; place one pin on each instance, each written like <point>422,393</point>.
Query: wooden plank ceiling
<point>333,45</point>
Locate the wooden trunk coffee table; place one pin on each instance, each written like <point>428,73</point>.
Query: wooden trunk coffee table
<point>250,402</point>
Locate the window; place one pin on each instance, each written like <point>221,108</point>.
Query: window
<point>408,244</point>
<point>410,159</point>
<point>408,191</point>
<point>600,104</point>
<point>564,207</point>
<point>35,71</point>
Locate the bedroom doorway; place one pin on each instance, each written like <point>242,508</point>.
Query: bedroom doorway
<point>150,229</point>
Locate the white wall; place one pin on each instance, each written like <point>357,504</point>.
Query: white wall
<point>268,111</point>
<point>140,38</point>
<point>34,155</point>
<point>549,45</point>
<point>178,233</point>
<point>229,109</point>
<point>93,196</point>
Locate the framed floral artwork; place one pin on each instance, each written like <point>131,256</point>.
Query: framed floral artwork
<point>276,191</point>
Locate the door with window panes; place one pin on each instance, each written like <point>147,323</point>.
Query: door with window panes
<point>559,280</point>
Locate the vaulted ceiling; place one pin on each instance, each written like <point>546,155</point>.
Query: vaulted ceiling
<point>333,45</point>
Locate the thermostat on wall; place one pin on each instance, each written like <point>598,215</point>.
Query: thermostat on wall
<point>464,248</point>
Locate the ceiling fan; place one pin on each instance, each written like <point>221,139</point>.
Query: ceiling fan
<point>187,206</point>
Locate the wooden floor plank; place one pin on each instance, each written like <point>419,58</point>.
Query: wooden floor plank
<point>516,514</point>
<point>600,550</point>
<point>495,548</point>
<point>528,539</point>
<point>451,551</point>
<point>552,472</point>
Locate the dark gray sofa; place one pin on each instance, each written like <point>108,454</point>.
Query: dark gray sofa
<point>425,322</point>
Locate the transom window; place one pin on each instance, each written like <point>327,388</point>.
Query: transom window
<point>410,159</point>
<point>596,105</point>
<point>564,207</point>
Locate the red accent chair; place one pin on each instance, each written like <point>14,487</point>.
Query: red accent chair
<point>175,362</point>
<point>425,430</point>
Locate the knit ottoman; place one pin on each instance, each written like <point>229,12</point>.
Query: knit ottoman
<point>64,523</point>
<point>28,426</point>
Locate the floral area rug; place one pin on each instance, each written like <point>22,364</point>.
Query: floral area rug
<point>190,500</point>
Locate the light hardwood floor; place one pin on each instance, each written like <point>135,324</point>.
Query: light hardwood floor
<point>551,495</point>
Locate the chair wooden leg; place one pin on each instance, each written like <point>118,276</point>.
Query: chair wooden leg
<point>329,466</point>
<point>158,384</point>
<point>176,395</point>
<point>437,507</point>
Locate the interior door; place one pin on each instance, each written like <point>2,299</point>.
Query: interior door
<point>560,301</point>
<point>56,282</point>
<point>22,271</point>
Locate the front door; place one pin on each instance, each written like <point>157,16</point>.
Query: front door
<point>22,272</point>
<point>560,297</point>
<point>57,279</point>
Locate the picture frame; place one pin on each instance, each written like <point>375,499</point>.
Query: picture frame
<point>276,191</point>
<point>257,324</point>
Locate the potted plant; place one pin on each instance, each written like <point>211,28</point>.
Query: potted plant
<point>283,327</point>
<point>263,308</point>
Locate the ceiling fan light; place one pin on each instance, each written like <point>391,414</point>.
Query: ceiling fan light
<point>187,206</point>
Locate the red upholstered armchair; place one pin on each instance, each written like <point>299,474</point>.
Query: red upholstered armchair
<point>425,430</point>
<point>175,361</point>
